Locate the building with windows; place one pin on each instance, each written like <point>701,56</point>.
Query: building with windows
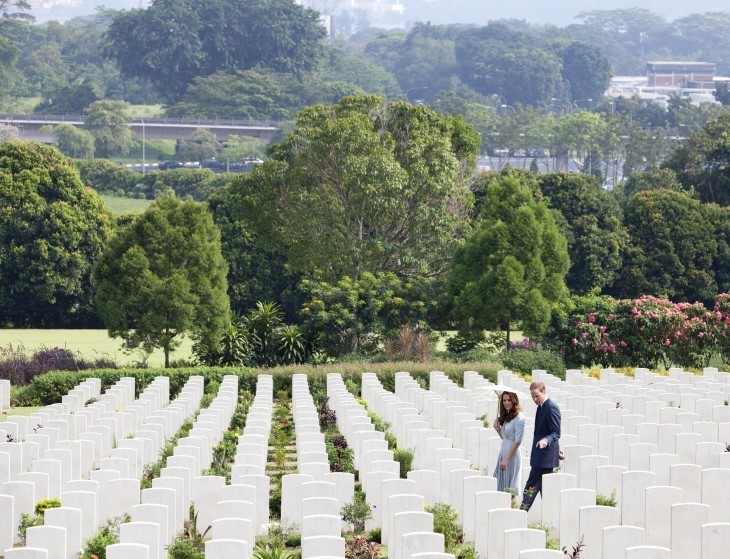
<point>692,75</point>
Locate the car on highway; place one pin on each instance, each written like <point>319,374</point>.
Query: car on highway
<point>165,165</point>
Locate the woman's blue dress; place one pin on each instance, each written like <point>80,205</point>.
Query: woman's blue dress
<point>511,476</point>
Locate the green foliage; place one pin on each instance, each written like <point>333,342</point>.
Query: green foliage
<point>513,265</point>
<point>164,276</point>
<point>586,69</point>
<point>95,546</point>
<point>358,547</point>
<point>525,360</point>
<point>674,241</point>
<point>172,43</point>
<point>603,501</point>
<point>391,159</point>
<point>464,341</point>
<point>592,228</point>
<point>200,146</point>
<point>74,142</point>
<point>375,535</point>
<point>190,543</point>
<point>107,122</point>
<point>444,522</point>
<point>404,456</point>
<point>28,521</point>
<point>51,233</point>
<point>356,513</point>
<point>355,314</point>
<point>43,505</point>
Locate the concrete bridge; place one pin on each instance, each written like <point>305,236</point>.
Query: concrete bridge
<point>148,128</point>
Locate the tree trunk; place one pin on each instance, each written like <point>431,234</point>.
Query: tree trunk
<point>507,346</point>
<point>167,357</point>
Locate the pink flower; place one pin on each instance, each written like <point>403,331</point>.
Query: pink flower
<point>585,335</point>
<point>575,342</point>
<point>666,342</point>
<point>623,344</point>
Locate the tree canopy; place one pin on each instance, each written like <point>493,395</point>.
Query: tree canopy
<point>512,266</point>
<point>163,276</point>
<point>174,41</point>
<point>51,232</point>
<point>365,185</point>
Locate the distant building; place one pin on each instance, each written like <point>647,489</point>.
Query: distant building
<point>692,75</point>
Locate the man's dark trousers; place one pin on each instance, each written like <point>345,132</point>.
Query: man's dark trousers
<point>543,460</point>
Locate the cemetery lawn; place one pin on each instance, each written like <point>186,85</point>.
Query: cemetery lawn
<point>118,205</point>
<point>18,411</point>
<point>89,344</point>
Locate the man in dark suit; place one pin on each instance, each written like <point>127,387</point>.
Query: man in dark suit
<point>545,454</point>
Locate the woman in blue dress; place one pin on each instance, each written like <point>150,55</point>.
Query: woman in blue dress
<point>510,426</point>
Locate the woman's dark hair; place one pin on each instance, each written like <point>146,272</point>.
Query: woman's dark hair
<point>507,416</point>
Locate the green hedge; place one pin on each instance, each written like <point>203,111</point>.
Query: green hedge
<point>49,388</point>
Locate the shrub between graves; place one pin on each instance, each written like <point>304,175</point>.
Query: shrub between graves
<point>96,545</point>
<point>36,519</point>
<point>224,453</point>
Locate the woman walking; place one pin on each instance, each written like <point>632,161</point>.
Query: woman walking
<point>510,426</point>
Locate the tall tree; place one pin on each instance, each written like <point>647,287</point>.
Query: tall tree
<point>163,276</point>
<point>673,245</point>
<point>174,41</point>
<point>107,122</point>
<point>366,186</point>
<point>513,266</point>
<point>587,70</point>
<point>596,238</point>
<point>73,141</point>
<point>51,232</point>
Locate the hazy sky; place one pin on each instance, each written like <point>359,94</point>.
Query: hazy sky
<point>560,12</point>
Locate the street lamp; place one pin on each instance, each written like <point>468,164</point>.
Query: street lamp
<point>567,105</point>
<point>414,89</point>
<point>589,102</point>
<point>508,107</point>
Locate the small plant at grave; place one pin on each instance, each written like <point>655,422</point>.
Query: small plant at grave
<point>404,456</point>
<point>190,543</point>
<point>603,501</point>
<point>279,534</point>
<point>484,419</point>
<point>280,457</point>
<point>670,403</point>
<point>275,502</point>
<point>360,548</point>
<point>339,455</point>
<point>444,522</point>
<point>109,535</point>
<point>327,416</point>
<point>89,402</point>
<point>619,406</point>
<point>275,550</point>
<point>28,521</point>
<point>356,513</point>
<point>577,548</point>
<point>10,438</point>
<point>375,535</point>
<point>727,447</point>
<point>465,551</point>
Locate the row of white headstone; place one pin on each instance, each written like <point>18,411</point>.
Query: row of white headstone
<point>670,470</point>
<point>4,395</point>
<point>68,442</point>
<point>406,528</point>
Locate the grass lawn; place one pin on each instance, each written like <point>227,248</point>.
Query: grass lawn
<point>118,205</point>
<point>145,111</point>
<point>18,411</point>
<point>21,105</point>
<point>89,343</point>
<point>514,336</point>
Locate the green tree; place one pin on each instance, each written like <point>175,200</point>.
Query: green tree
<point>201,145</point>
<point>163,276</point>
<point>51,232</point>
<point>593,230</point>
<point>15,9</point>
<point>68,99</point>
<point>241,148</point>
<point>74,142</point>
<point>513,266</point>
<point>174,41</point>
<point>586,69</point>
<point>722,93</point>
<point>704,163</point>
<point>366,186</point>
<point>107,122</point>
<point>673,245</point>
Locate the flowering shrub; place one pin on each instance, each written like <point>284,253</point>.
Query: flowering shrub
<point>525,356</point>
<point>647,332</point>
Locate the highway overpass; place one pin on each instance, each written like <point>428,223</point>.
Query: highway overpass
<point>149,128</point>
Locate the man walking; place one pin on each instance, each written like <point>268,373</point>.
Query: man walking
<point>545,454</point>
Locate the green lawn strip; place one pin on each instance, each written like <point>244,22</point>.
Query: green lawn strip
<point>18,411</point>
<point>281,456</point>
<point>88,344</point>
<point>119,205</point>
